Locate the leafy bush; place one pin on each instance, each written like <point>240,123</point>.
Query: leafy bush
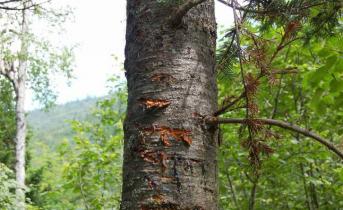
<point>7,188</point>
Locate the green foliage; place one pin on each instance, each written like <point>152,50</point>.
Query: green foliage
<point>7,143</point>
<point>82,167</point>
<point>52,126</point>
<point>51,129</point>
<point>299,174</point>
<point>7,187</point>
<point>45,59</point>
<point>227,53</point>
<point>93,169</point>
<point>7,124</point>
<point>317,17</point>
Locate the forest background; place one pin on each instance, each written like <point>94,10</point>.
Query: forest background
<point>75,150</point>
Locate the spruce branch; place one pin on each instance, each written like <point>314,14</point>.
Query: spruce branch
<point>272,11</point>
<point>224,108</point>
<point>281,124</point>
<point>229,105</point>
<point>238,41</point>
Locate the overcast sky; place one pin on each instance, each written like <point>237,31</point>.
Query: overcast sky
<point>99,30</point>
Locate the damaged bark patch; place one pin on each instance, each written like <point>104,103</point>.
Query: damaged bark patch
<point>151,183</point>
<point>154,157</point>
<point>175,133</point>
<point>167,179</point>
<point>149,156</point>
<point>168,206</point>
<point>164,158</point>
<point>154,103</point>
<point>162,206</point>
<point>162,77</point>
<point>158,199</point>
<point>165,138</point>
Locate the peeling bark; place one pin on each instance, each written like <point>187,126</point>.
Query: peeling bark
<point>169,157</point>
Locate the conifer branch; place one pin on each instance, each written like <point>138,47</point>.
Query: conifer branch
<point>225,107</point>
<point>272,11</point>
<point>281,124</point>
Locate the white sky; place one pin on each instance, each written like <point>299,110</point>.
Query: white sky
<point>99,29</point>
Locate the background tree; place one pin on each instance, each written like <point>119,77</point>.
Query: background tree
<point>23,64</point>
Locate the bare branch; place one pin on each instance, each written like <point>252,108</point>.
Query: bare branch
<point>282,45</point>
<point>239,7</point>
<point>280,124</point>
<point>9,1</point>
<point>286,71</point>
<point>9,73</point>
<point>22,8</point>
<point>225,107</point>
<point>238,41</point>
<point>2,68</point>
<point>176,18</point>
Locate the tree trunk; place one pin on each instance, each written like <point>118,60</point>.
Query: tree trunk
<point>232,189</point>
<point>20,145</point>
<point>169,154</point>
<point>20,117</point>
<point>253,194</point>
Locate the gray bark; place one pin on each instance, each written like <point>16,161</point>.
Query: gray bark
<point>20,145</point>
<point>169,156</point>
<point>20,138</point>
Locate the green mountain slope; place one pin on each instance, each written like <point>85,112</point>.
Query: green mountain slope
<point>51,126</point>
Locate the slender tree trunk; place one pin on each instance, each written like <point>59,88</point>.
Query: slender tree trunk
<point>232,189</point>
<point>308,203</point>
<point>169,155</point>
<point>20,117</point>
<point>20,145</point>
<point>313,191</point>
<point>253,194</point>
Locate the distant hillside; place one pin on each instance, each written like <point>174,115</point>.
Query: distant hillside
<point>52,126</point>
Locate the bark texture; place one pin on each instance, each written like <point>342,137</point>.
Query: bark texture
<point>169,155</point>
<point>20,138</point>
<point>20,145</point>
